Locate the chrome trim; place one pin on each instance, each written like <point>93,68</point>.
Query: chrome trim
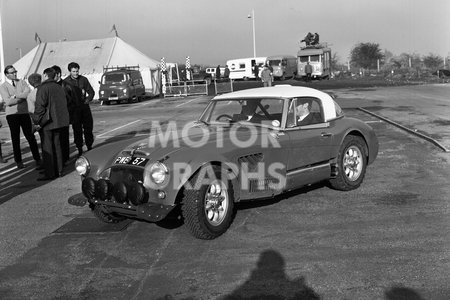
<point>312,168</point>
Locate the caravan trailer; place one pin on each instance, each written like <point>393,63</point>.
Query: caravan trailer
<point>242,68</point>
<point>319,58</point>
<point>283,66</point>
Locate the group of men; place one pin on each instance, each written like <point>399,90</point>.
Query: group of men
<point>49,108</point>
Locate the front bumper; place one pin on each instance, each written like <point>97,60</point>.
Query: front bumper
<point>123,193</point>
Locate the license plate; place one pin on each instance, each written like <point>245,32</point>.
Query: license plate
<point>128,160</point>
<point>113,98</point>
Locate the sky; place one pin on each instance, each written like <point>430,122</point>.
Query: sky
<point>211,31</point>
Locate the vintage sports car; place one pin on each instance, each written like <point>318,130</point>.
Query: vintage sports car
<point>247,145</point>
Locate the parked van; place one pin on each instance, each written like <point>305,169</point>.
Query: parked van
<point>212,71</point>
<point>121,84</point>
<point>243,68</point>
<point>283,66</point>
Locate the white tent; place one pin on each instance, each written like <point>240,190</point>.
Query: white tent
<point>92,56</point>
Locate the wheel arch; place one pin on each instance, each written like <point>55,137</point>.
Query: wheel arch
<point>231,168</point>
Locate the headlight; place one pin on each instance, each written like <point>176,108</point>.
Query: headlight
<point>102,92</point>
<point>82,165</point>
<point>159,173</point>
<point>124,91</point>
<point>156,175</point>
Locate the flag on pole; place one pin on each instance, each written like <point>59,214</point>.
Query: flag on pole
<point>188,68</point>
<point>37,38</point>
<point>115,30</point>
<point>163,74</point>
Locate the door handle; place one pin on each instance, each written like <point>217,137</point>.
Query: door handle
<point>326,134</point>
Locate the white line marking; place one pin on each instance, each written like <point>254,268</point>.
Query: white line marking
<point>374,121</point>
<point>18,174</point>
<point>187,102</point>
<point>118,128</point>
<point>7,187</point>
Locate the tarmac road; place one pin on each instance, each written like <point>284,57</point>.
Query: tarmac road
<point>386,240</point>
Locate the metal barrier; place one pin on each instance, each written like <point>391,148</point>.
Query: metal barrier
<point>186,88</point>
<point>223,86</point>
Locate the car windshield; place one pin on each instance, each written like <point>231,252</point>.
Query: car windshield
<point>114,78</point>
<point>257,111</point>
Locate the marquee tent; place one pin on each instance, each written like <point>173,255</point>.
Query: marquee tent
<point>92,56</point>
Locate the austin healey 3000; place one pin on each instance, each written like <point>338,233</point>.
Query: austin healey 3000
<point>247,145</point>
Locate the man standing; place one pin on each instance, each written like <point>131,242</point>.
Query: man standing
<point>308,71</point>
<point>14,93</point>
<point>51,97</point>
<point>218,73</point>
<point>65,144</point>
<point>82,122</point>
<point>266,76</point>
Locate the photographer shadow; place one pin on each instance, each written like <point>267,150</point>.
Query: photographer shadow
<point>269,281</point>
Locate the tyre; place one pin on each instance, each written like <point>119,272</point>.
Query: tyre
<point>208,203</point>
<point>106,217</point>
<point>351,163</point>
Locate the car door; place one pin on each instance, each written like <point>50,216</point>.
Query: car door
<point>309,150</point>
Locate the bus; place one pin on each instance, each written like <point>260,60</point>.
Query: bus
<point>318,58</point>
<point>283,66</point>
<point>243,68</point>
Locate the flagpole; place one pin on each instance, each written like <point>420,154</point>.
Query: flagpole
<point>2,52</point>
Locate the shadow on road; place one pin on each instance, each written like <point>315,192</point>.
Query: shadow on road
<point>401,293</point>
<point>269,281</point>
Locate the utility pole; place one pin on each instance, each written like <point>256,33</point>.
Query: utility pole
<point>2,52</point>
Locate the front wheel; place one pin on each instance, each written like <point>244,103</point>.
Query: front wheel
<point>351,163</point>
<point>208,205</point>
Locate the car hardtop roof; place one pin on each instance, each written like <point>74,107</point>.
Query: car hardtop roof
<point>278,91</point>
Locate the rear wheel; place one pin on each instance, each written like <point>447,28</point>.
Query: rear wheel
<point>351,164</point>
<point>208,204</point>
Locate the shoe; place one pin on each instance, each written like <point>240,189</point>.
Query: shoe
<point>20,165</point>
<point>89,148</point>
<point>80,152</point>
<point>61,174</point>
<point>45,178</point>
<point>2,160</point>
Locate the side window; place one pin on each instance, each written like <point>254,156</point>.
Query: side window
<point>304,111</point>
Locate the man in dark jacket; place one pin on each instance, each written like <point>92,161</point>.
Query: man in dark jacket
<point>65,144</point>
<point>51,97</point>
<point>304,114</point>
<point>81,117</point>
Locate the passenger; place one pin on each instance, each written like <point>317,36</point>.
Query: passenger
<point>304,114</point>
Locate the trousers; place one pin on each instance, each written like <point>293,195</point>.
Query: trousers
<point>82,125</point>
<point>53,156</point>
<point>15,122</point>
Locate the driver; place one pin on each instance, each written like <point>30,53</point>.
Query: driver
<point>248,112</point>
